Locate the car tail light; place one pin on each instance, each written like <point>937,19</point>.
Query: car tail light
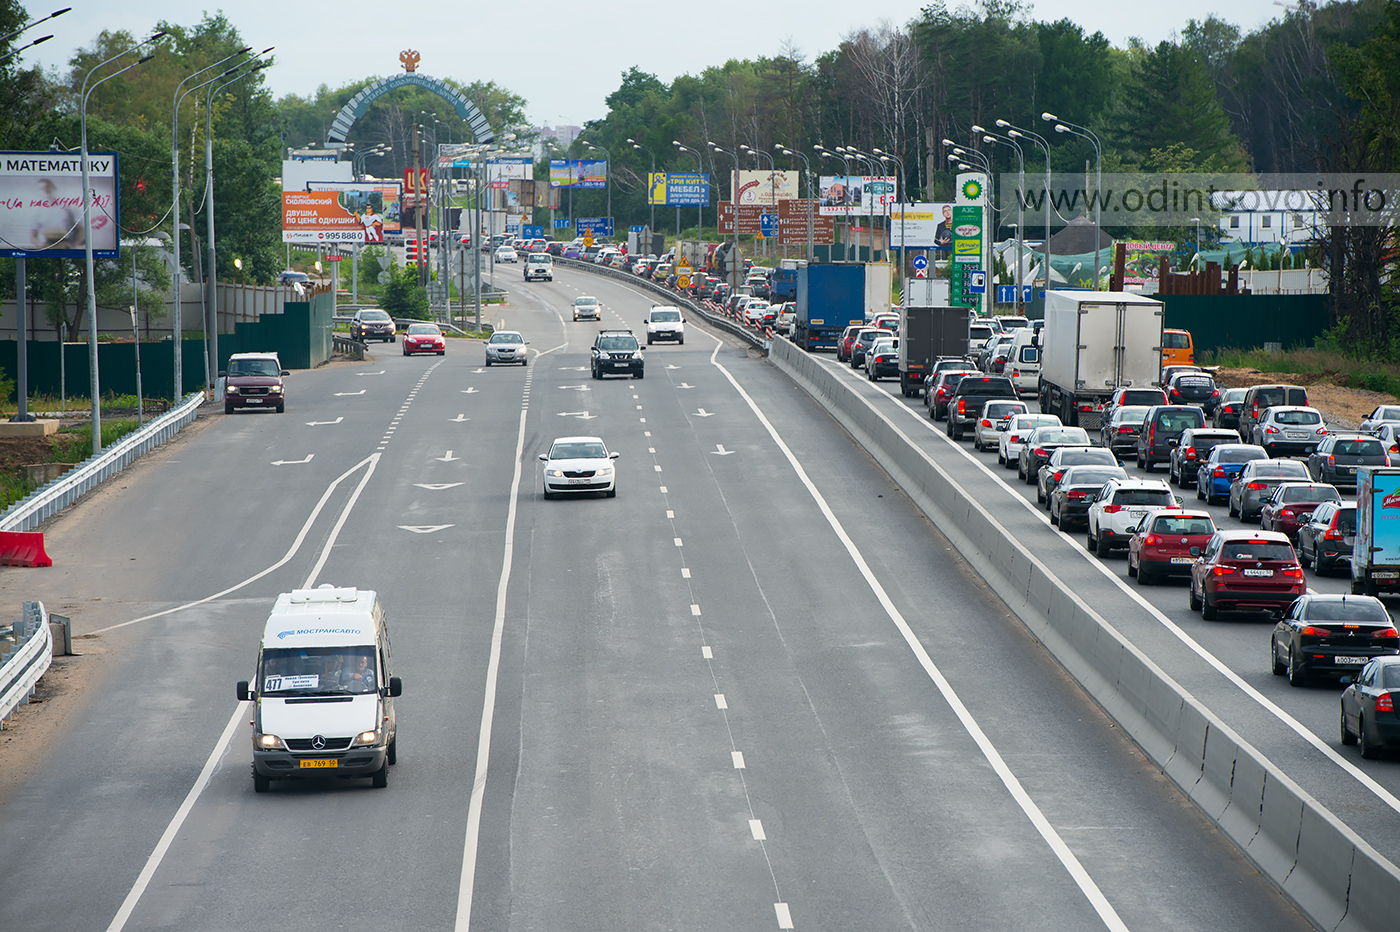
<point>1014,438</point>
<point>1384,703</point>
<point>942,392</point>
<point>1086,407</point>
<point>1331,461</point>
<point>1314,632</point>
<point>962,407</point>
<point>1215,394</point>
<point>1190,453</point>
<point>1125,430</point>
<point>1333,534</point>
<point>1152,435</point>
<point>1058,474</point>
<point>1223,570</point>
<point>1294,572</point>
<point>1112,509</point>
<point>1039,451</point>
<point>1270,430</point>
<point>1150,540</point>
<point>1321,431</point>
<point>1219,473</point>
<point>1287,512</point>
<point>986,423</point>
<point>1077,493</point>
<point>1387,633</point>
<point>1015,373</point>
<point>1174,393</point>
<point>1256,486</point>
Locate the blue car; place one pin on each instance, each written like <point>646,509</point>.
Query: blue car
<point>1226,460</point>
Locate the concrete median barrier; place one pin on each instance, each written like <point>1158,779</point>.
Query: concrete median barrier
<point>1324,867</point>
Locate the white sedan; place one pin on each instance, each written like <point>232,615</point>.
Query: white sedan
<point>1012,439</point>
<point>579,464</point>
<point>507,254</point>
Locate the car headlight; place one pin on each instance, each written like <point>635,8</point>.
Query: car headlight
<point>230,389</point>
<point>605,471</point>
<point>366,737</point>
<point>268,742</point>
<point>274,389</point>
<point>554,473</point>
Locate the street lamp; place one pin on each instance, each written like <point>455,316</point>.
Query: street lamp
<point>736,267</point>
<point>87,234</point>
<point>699,170</point>
<point>650,178</point>
<point>772,180</point>
<point>845,211</point>
<point>1016,132</point>
<point>607,178</point>
<point>1197,222</point>
<point>1083,132</point>
<point>34,22</point>
<point>886,159</point>
<point>812,195</point>
<point>995,139</point>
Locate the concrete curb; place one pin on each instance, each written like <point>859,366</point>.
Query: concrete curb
<point>1329,872</point>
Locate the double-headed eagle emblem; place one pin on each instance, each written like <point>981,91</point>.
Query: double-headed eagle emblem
<point>409,58</point>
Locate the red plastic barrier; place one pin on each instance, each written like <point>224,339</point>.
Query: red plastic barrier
<point>23,548</point>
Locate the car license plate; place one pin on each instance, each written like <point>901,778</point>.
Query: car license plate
<point>1263,573</point>
<point>1350,660</point>
<point>583,481</point>
<point>1002,425</point>
<point>1345,470</point>
<point>1137,512</point>
<point>1295,435</point>
<point>1183,559</point>
<point>319,763</point>
<point>253,401</point>
<point>1385,574</point>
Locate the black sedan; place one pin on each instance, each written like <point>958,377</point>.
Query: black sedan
<point>1045,441</point>
<point>1077,490</point>
<point>1048,476</point>
<point>1227,413</point>
<point>1331,635</point>
<point>1193,388</point>
<point>1368,707</point>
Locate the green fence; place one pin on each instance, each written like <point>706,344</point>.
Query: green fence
<point>300,335</point>
<point>1246,320</point>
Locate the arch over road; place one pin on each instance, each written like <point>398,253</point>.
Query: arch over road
<point>359,104</point>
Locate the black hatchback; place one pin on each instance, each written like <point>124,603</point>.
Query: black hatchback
<point>1193,388</point>
<point>1338,455</point>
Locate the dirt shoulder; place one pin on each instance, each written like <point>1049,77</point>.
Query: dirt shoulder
<point>1342,406</point>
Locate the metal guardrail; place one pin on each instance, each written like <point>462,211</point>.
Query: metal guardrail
<point>718,320</point>
<point>29,659</point>
<point>352,348</point>
<point>51,498</point>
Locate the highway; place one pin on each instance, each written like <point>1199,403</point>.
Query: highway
<point>756,690</point>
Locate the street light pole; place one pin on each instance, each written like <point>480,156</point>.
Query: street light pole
<point>699,170</point>
<point>635,145</point>
<point>812,195</point>
<point>845,211</point>
<point>1083,132</point>
<point>607,180</point>
<point>995,139</point>
<point>1016,132</point>
<point>93,381</point>
<point>886,159</point>
<point>736,267</point>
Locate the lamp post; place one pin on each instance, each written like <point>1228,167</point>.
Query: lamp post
<point>736,267</point>
<point>812,195</point>
<point>886,159</point>
<point>607,180</point>
<point>1083,132</point>
<point>699,170</point>
<point>1197,222</point>
<point>979,162</point>
<point>93,382</point>
<point>1015,132</point>
<point>636,145</point>
<point>995,139</point>
<point>869,161</point>
<point>845,211</point>
<point>34,22</point>
<point>772,181</point>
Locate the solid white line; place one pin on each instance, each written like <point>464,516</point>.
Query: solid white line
<point>1191,643</point>
<point>168,836</point>
<point>1071,863</point>
<point>488,712</point>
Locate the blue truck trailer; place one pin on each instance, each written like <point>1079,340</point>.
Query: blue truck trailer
<point>829,298</point>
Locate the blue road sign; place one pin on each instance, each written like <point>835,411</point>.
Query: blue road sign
<point>562,223</point>
<point>1006,294</point>
<point>638,229</point>
<point>768,224</point>
<point>532,232</point>
<point>601,226</point>
<point>920,262</point>
<point>977,282</point>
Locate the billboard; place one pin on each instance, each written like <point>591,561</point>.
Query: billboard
<point>762,187</point>
<point>967,255</point>
<point>578,173</point>
<point>41,205</point>
<point>378,205</point>
<point>318,217</point>
<point>922,226</point>
<point>501,172</point>
<point>678,189</point>
<point>852,195</point>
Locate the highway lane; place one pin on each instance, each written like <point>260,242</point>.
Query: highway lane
<point>613,796</point>
<point>1224,662</point>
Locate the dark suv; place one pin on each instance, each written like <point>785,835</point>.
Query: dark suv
<point>254,380</point>
<point>1162,428</point>
<point>372,324</point>
<point>617,351</point>
<point>965,405</point>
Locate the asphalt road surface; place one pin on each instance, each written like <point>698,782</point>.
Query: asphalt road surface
<point>756,690</point>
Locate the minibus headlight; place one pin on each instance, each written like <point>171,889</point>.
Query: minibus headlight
<point>268,743</point>
<point>367,737</point>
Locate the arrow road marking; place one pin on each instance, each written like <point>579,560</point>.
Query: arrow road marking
<point>719,450</point>
<point>380,372</point>
<point>581,415</point>
<point>669,366</point>
<point>459,419</point>
<point>469,391</point>
<point>424,528</point>
<point>478,370</point>
<point>343,394</point>
<point>575,388</point>
<point>686,385</point>
<point>293,462</point>
<point>438,486</point>
<point>324,423</point>
<point>448,458</point>
<point>703,413</point>
<point>573,368</point>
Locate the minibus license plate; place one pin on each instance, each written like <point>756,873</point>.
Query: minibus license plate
<point>316,763</point>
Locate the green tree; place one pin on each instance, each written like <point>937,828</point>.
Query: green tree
<point>404,297</point>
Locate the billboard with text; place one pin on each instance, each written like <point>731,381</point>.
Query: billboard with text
<point>319,217</point>
<point>41,204</point>
<point>857,195</point>
<point>678,189</point>
<point>578,173</point>
<point>763,187</point>
<point>378,205</point>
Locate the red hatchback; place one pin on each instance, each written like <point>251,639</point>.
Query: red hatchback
<point>1290,505</point>
<point>424,338</point>
<point>1244,570</point>
<point>1167,544</point>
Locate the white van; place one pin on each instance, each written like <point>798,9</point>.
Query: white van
<point>324,689</point>
<point>1023,361</point>
<point>539,265</point>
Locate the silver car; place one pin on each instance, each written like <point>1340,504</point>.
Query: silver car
<point>995,419</point>
<point>506,346</point>
<point>1018,431</point>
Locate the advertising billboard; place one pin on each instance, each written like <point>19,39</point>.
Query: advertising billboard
<point>922,226</point>
<point>318,217</point>
<point>857,195</point>
<point>501,172</point>
<point>41,205</point>
<point>762,187</point>
<point>578,173</point>
<point>678,189</point>
<point>378,205</point>
<point>967,254</point>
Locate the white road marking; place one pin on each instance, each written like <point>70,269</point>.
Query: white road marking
<point>706,652</point>
<point>581,415</point>
<point>695,610</point>
<point>738,756</point>
<point>646,433</point>
<point>449,458</point>
<point>719,450</point>
<point>663,490</point>
<point>678,541</point>
<point>470,391</point>
<point>756,828</point>
<point>1067,858</point>
<point>719,701</point>
<point>784,915</point>
<point>657,467</point>
<point>425,528</point>
<point>344,394</point>
<point>685,572</point>
<point>669,366</point>
<point>293,462</point>
<point>703,413</point>
<point>459,419</point>
<point>639,407</point>
<point>575,388</point>
<point>380,372</point>
<point>651,449</point>
<point>669,514</point>
<point>686,385</point>
<point>438,486</point>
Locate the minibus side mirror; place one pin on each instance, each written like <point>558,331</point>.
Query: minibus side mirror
<point>395,686</point>
<point>243,694</point>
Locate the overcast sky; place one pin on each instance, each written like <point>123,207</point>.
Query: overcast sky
<point>563,58</point>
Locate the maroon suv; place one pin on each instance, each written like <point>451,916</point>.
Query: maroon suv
<point>1244,570</point>
<point>254,380</point>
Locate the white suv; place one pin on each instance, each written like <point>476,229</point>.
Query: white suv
<point>1120,508</point>
<point>664,322</point>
